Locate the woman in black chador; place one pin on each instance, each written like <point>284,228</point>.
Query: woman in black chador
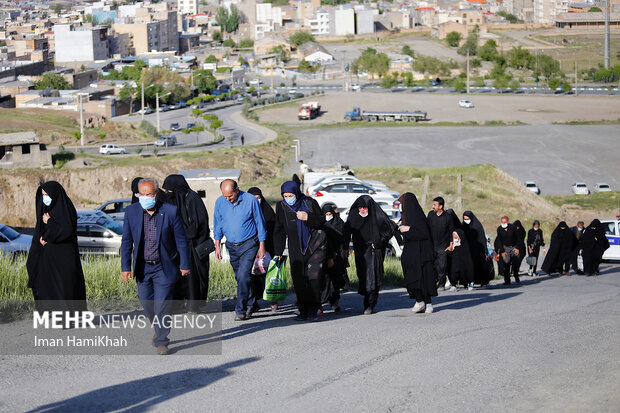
<point>476,238</point>
<point>300,219</point>
<point>462,268</point>
<point>371,230</point>
<point>135,191</point>
<point>558,258</point>
<point>521,234</point>
<point>336,264</point>
<point>54,269</point>
<point>417,258</point>
<point>535,241</point>
<point>195,219</point>
<point>594,243</point>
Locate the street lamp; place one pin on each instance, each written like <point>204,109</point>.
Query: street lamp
<point>157,107</point>
<point>142,91</point>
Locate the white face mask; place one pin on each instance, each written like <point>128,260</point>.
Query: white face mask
<point>467,221</point>
<point>363,215</point>
<point>536,229</point>
<point>504,225</point>
<point>329,217</point>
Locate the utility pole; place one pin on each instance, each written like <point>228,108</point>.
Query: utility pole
<point>467,81</point>
<point>606,34</point>
<point>81,121</point>
<point>157,109</point>
<point>142,93</point>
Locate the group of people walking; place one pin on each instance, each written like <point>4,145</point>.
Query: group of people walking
<point>166,246</point>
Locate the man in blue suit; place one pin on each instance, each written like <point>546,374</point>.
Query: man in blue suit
<point>154,238</point>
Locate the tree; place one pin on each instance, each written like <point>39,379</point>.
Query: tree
<point>217,36</point>
<point>430,65</point>
<point>408,79</point>
<point>372,63</point>
<point>471,44</point>
<point>300,37</point>
<point>488,51</point>
<point>500,83</point>
<point>204,81</point>
<point>389,82</point>
<point>460,85</point>
<point>595,10</point>
<point>52,81</point>
<point>454,39</point>
<point>406,50</point>
<point>246,43</point>
<point>520,58</point>
<point>280,50</point>
<point>228,20</point>
<point>211,59</point>
<point>305,67</point>
<point>566,87</point>
<point>510,17</point>
<point>229,43</point>
<point>548,66</point>
<point>554,83</point>
<point>58,8</point>
<point>127,93</point>
<point>515,84</point>
<point>164,81</point>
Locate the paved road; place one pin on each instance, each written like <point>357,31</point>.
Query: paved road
<point>554,156</point>
<point>547,345</point>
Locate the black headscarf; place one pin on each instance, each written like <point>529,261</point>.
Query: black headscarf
<point>594,240</point>
<point>302,229</point>
<point>563,242</point>
<point>336,223</point>
<point>474,230</point>
<point>376,227</point>
<point>179,188</point>
<point>135,189</point>
<point>190,207</point>
<point>413,216</point>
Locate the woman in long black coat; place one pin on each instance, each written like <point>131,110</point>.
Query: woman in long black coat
<point>535,240</point>
<point>300,219</point>
<point>558,258</point>
<point>258,280</point>
<point>462,269</point>
<point>336,265</point>
<point>371,229</point>
<point>476,238</point>
<point>195,219</point>
<point>54,269</point>
<point>417,258</point>
<point>594,243</point>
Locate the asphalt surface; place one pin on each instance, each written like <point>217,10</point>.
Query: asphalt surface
<point>547,344</point>
<point>554,156</point>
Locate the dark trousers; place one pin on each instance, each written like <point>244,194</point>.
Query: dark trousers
<point>419,296</point>
<point>307,273</point>
<point>371,298</point>
<point>258,288</point>
<point>506,265</point>
<point>535,253</point>
<point>155,292</point>
<point>441,265</point>
<point>242,259</point>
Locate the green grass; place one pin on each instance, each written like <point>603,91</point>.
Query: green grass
<point>602,201</point>
<point>590,122</point>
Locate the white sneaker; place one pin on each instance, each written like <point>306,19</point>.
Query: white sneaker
<point>530,273</point>
<point>470,287</point>
<point>453,288</point>
<point>447,286</point>
<point>429,308</point>
<point>419,307</point>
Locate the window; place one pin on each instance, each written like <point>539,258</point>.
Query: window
<point>610,228</point>
<point>82,231</point>
<point>359,189</point>
<point>2,239</point>
<point>96,231</point>
<point>25,149</point>
<point>340,189</point>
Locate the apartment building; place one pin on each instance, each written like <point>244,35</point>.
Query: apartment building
<point>80,44</point>
<point>319,25</point>
<point>187,6</point>
<point>342,20</point>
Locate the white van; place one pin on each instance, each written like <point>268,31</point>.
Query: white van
<point>612,231</point>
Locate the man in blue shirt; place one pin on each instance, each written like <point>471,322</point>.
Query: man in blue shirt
<point>238,217</point>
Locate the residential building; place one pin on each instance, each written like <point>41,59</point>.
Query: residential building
<point>364,21</point>
<point>342,20</point>
<point>268,19</point>
<point>156,35</point>
<point>80,44</point>
<point>267,44</point>
<point>23,150</point>
<point>313,53</point>
<point>319,25</point>
<point>187,6</point>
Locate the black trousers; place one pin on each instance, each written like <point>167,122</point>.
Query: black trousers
<point>535,253</point>
<point>307,273</point>
<point>419,296</point>
<point>371,298</point>
<point>441,265</point>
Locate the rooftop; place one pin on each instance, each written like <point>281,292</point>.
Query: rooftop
<point>18,137</point>
<point>215,174</point>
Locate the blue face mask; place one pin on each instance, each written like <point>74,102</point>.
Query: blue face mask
<point>47,200</point>
<point>147,202</point>
<point>291,201</point>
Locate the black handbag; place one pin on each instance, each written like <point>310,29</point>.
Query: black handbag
<point>205,248</point>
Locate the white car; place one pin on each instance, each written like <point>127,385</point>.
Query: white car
<point>532,187</point>
<point>342,195</point>
<point>376,185</point>
<point>147,110</point>
<point>580,188</point>
<point>255,82</point>
<point>466,103</point>
<point>110,149</point>
<point>612,231</point>
<point>602,187</point>
<point>12,242</point>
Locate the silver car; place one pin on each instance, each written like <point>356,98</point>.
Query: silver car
<point>115,208</point>
<point>12,242</point>
<point>98,233</point>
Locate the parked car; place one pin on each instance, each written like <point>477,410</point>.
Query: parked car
<point>98,233</point>
<point>110,149</point>
<point>164,108</point>
<point>580,188</point>
<point>147,110</point>
<point>12,242</point>
<point>602,187</point>
<point>115,208</point>
<point>436,82</point>
<point>376,185</point>
<point>612,232</point>
<point>532,187</point>
<point>175,126</point>
<point>166,141</point>
<point>344,194</point>
<point>464,103</point>
<point>190,125</point>
<point>180,105</point>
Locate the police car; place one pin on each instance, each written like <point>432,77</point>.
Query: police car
<point>612,231</point>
